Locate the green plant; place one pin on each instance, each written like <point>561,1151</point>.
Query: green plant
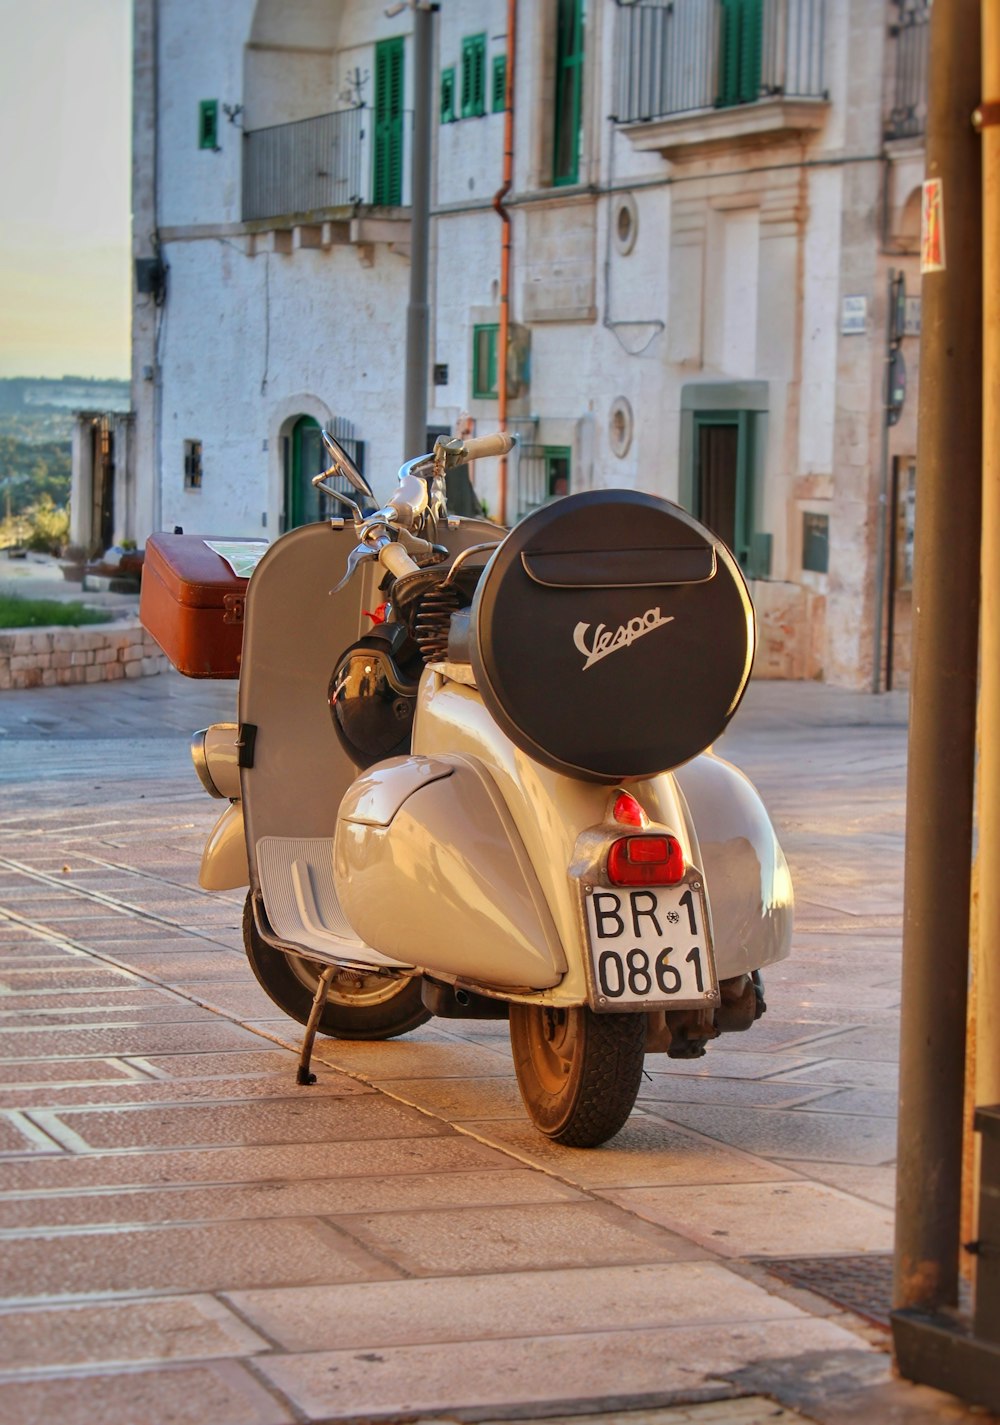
<point>48,526</point>
<point>19,612</point>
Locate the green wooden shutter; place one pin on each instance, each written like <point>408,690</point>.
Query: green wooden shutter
<point>751,36</point>
<point>208,124</point>
<point>485,373</point>
<point>473,76</point>
<point>498,87</point>
<point>740,45</point>
<point>387,176</point>
<point>448,95</point>
<point>569,91</point>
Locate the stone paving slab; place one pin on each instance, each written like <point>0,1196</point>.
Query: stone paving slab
<point>313,1197</point>
<point>806,1133</point>
<point>446,1242</point>
<point>63,1071</point>
<point>175,1328</point>
<point>482,1270</point>
<point>225,1393</point>
<point>787,1219</point>
<point>532,1371</point>
<point>73,1172</point>
<point>373,1315</point>
<point>647,1152</point>
<point>201,1257</point>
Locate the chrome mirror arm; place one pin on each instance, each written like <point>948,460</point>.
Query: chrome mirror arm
<point>339,495</point>
<point>344,465</point>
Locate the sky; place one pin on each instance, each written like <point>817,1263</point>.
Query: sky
<point>65,106</point>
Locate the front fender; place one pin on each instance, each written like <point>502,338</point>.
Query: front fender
<point>224,864</point>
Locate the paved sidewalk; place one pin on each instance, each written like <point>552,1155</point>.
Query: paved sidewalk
<point>188,1236</point>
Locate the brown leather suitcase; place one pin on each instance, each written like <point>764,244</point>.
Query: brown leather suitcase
<point>192,604</point>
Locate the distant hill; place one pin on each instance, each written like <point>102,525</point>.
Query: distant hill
<point>21,395</point>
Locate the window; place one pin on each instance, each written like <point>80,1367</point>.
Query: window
<point>498,85</point>
<point>815,542</point>
<point>192,465</point>
<point>473,76</point>
<point>557,470</point>
<point>740,52</point>
<point>387,178</point>
<point>569,90</point>
<point>448,95</point>
<point>485,342</point>
<point>208,124</point>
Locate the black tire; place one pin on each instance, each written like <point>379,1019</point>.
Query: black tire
<point>578,1072</point>
<point>358,1006</point>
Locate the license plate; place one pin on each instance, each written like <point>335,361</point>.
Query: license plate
<point>650,948</point>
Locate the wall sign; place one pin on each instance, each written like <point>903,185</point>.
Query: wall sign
<point>853,316</point>
<point>932,255</point>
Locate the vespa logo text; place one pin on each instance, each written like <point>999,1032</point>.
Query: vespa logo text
<point>605,642</point>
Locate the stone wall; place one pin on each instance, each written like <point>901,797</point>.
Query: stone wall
<point>52,657</point>
<point>790,630</point>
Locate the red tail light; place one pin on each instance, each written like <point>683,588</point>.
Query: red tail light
<point>645,861</point>
<point>627,811</point>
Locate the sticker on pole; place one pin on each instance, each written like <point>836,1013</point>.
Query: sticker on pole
<point>932,258</point>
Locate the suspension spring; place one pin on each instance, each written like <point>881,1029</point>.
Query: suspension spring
<point>430,626</point>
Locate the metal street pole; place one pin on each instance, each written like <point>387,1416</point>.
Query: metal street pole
<point>943,686</point>
<point>418,312</point>
<point>986,980</point>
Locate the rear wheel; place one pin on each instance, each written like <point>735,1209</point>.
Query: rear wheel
<point>358,1005</point>
<point>578,1072</point>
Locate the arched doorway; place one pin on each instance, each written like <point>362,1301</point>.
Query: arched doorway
<point>304,457</point>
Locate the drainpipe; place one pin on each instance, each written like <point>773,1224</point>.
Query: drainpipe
<point>505,248</point>
<point>986,979</point>
<point>417,313</point>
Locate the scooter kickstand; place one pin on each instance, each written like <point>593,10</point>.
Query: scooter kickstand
<point>304,1076</point>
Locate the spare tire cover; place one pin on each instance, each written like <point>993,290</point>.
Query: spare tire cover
<point>614,635</point>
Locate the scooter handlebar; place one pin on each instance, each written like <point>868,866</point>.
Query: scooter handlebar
<point>482,446</point>
<point>395,558</point>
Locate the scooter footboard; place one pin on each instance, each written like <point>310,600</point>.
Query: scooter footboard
<point>430,866</point>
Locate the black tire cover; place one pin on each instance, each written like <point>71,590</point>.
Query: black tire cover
<point>614,635</point>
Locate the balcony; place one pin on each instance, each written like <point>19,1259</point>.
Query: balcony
<point>908,45</point>
<point>329,165</point>
<point>692,75</point>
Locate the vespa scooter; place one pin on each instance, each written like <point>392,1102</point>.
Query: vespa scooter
<point>474,781</point>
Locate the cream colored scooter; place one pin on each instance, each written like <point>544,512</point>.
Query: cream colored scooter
<point>474,783</point>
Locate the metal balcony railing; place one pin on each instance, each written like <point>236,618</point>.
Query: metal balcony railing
<point>909,37</point>
<point>674,56</point>
<point>339,160</point>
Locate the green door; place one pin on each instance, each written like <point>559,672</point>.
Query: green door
<point>305,459</point>
<point>723,479</point>
<point>387,172</point>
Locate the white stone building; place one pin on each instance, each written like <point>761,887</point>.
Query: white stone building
<point>707,198</point>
